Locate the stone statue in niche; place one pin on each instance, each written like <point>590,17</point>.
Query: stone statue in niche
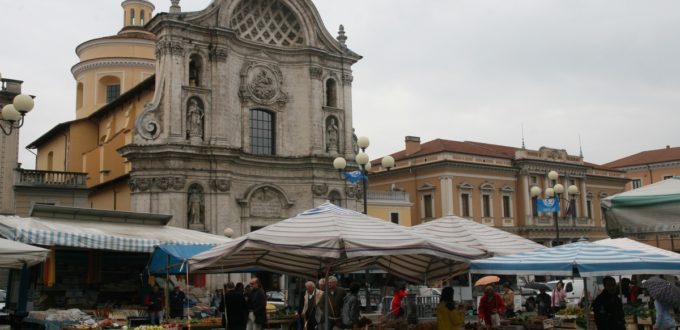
<point>195,117</point>
<point>332,132</point>
<point>195,214</point>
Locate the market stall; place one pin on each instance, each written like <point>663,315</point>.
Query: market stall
<point>580,259</point>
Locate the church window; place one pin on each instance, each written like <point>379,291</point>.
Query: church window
<point>112,92</point>
<point>141,17</point>
<point>269,22</point>
<point>195,69</point>
<point>79,96</point>
<point>331,93</point>
<point>262,132</point>
<point>132,17</point>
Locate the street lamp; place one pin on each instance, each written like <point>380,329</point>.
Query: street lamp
<point>12,115</point>
<point>364,163</point>
<point>554,193</point>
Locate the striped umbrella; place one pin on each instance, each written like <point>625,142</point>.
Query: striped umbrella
<point>663,291</point>
<point>332,238</point>
<point>495,242</point>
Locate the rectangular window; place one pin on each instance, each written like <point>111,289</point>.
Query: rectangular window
<point>394,217</point>
<point>637,183</point>
<point>572,182</point>
<point>534,179</point>
<point>262,132</point>
<point>534,207</point>
<point>112,92</point>
<point>666,177</point>
<point>589,206</point>
<point>486,206</point>
<point>506,207</point>
<point>465,205</point>
<point>427,200</point>
<point>572,209</point>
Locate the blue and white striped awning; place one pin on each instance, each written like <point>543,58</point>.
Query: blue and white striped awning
<point>99,235</point>
<point>581,258</point>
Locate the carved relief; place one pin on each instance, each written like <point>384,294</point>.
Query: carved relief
<point>347,78</point>
<point>315,72</point>
<point>352,192</point>
<point>161,183</point>
<point>222,185</point>
<point>265,203</point>
<point>218,54</point>
<point>262,84</point>
<point>319,189</point>
<point>167,47</point>
<point>147,124</point>
<point>195,206</point>
<point>140,184</point>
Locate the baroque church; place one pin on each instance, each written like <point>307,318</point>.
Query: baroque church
<point>237,127</point>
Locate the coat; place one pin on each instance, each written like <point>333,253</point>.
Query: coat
<point>257,303</point>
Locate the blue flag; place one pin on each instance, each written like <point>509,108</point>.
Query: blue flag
<point>548,205</point>
<point>354,176</point>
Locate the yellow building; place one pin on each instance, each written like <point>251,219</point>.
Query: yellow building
<point>649,166</point>
<point>491,184</point>
<point>114,79</point>
<point>394,206</point>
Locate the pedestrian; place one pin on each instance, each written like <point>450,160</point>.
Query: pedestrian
<point>491,307</point>
<point>223,303</point>
<point>215,299</point>
<point>155,303</point>
<point>664,317</point>
<point>543,303</point>
<point>608,308</point>
<point>350,307</point>
<point>448,316</point>
<point>311,299</point>
<point>559,296</point>
<point>257,306</point>
<point>508,300</point>
<point>334,296</point>
<point>237,309</point>
<point>395,307</point>
<point>322,284</point>
<point>177,303</point>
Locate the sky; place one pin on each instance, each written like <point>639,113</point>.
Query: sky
<point>604,72</point>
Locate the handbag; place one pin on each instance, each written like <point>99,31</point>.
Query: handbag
<point>495,320</point>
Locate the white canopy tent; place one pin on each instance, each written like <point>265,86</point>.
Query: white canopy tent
<point>495,242</point>
<point>15,255</point>
<point>629,244</point>
<point>330,238</point>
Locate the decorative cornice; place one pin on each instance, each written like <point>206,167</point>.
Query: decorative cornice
<point>166,47</point>
<point>222,185</point>
<point>79,68</point>
<point>645,167</point>
<point>113,40</point>
<point>161,183</point>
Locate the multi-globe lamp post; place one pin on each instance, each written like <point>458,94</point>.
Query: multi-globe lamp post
<point>554,193</point>
<point>12,115</point>
<point>364,163</point>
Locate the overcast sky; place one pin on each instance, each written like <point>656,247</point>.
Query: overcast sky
<point>478,70</point>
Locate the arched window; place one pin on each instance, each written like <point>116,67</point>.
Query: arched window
<point>195,69</point>
<point>141,17</point>
<point>50,161</point>
<point>335,198</point>
<point>79,96</point>
<point>331,93</point>
<point>262,132</point>
<point>132,17</point>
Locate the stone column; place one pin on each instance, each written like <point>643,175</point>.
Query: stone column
<point>446,184</point>
<point>584,199</point>
<point>524,186</point>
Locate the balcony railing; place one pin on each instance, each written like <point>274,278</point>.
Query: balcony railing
<point>393,196</point>
<point>50,178</point>
<point>563,221</point>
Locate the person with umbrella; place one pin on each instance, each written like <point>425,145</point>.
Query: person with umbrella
<point>608,308</point>
<point>666,295</point>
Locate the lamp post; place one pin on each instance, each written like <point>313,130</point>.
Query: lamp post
<point>554,193</point>
<point>12,115</point>
<point>364,163</point>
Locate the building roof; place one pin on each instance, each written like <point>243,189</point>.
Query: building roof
<point>59,128</point>
<point>666,154</point>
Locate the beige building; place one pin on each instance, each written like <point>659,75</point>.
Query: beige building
<point>649,166</point>
<point>491,184</point>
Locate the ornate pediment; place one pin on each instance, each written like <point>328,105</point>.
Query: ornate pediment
<point>465,186</point>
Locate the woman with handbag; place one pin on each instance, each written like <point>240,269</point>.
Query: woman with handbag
<point>559,297</point>
<point>491,307</point>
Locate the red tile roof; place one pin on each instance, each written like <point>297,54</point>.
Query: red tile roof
<point>647,157</point>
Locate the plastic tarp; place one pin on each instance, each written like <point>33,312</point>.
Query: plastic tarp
<point>15,254</point>
<point>100,235</point>
<point>646,210</point>
<point>331,238</point>
<point>171,258</point>
<point>583,259</point>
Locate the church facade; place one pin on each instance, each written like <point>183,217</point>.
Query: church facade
<point>253,101</point>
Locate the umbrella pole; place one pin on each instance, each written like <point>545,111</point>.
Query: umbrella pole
<point>474,301</point>
<point>186,280</point>
<point>167,286</point>
<point>326,301</point>
<point>586,311</point>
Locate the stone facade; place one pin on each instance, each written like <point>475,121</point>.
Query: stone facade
<point>9,148</point>
<point>253,101</point>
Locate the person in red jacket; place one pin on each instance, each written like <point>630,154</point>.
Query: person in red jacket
<point>399,295</point>
<point>155,302</point>
<point>491,307</point>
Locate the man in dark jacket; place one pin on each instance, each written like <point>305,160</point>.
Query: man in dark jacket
<point>155,302</point>
<point>607,307</point>
<point>237,310</point>
<point>177,300</point>
<point>257,305</point>
<point>336,298</point>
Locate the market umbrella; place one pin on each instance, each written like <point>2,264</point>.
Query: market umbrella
<point>496,242</point>
<point>663,291</point>
<point>486,280</point>
<point>331,238</point>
